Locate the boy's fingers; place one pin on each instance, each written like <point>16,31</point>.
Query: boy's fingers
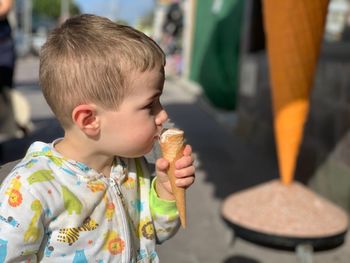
<point>184,162</point>
<point>162,164</point>
<point>161,168</point>
<point>185,182</point>
<point>187,150</point>
<point>185,172</point>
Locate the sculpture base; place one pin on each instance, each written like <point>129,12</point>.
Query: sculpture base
<point>286,242</point>
<point>280,216</point>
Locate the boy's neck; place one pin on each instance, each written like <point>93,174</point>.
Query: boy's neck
<point>81,151</point>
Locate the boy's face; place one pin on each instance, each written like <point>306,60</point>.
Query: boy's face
<point>132,130</point>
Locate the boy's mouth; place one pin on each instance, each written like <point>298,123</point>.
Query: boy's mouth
<point>159,134</point>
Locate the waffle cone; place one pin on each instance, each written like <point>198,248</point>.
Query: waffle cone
<point>294,30</point>
<point>172,150</point>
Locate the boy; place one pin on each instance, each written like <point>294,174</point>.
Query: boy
<point>88,197</point>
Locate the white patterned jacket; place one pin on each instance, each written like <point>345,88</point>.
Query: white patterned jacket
<point>58,210</point>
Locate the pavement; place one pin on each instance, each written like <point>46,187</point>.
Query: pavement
<point>225,165</point>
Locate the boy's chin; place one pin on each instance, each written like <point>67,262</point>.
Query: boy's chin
<point>147,151</point>
<point>139,152</point>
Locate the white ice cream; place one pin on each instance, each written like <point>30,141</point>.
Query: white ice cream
<point>169,132</point>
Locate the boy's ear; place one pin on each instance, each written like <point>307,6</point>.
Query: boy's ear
<point>86,118</point>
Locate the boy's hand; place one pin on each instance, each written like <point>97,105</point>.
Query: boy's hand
<point>185,173</point>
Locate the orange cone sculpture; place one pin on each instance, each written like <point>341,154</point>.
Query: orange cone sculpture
<point>294,30</point>
<point>172,146</point>
<point>283,213</point>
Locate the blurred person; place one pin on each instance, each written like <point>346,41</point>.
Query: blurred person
<point>14,108</point>
<point>172,29</point>
<point>89,195</point>
<point>7,46</point>
<point>8,125</point>
<point>171,41</point>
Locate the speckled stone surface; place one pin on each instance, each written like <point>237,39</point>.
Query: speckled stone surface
<point>285,210</point>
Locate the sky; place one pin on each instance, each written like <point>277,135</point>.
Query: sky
<point>128,10</point>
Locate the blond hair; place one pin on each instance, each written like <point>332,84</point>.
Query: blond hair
<point>88,59</point>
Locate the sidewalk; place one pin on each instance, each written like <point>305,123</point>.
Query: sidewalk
<point>225,165</point>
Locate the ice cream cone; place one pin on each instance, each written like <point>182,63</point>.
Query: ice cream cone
<point>172,145</point>
<point>294,30</point>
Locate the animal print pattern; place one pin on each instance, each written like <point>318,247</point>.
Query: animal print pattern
<point>71,234</point>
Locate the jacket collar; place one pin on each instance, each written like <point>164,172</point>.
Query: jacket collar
<point>119,168</point>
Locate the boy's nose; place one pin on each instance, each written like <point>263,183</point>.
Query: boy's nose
<point>161,117</point>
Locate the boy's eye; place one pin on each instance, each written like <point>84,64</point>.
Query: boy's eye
<point>149,106</point>
<point>152,107</point>
<point>152,104</point>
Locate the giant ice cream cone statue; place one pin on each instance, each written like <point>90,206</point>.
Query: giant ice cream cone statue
<point>287,215</point>
<point>172,146</point>
<point>294,30</point>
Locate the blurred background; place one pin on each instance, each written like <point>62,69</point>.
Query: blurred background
<point>218,91</point>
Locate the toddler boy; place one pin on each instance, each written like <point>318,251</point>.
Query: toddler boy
<point>88,197</point>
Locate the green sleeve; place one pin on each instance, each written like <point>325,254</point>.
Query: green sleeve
<point>161,206</point>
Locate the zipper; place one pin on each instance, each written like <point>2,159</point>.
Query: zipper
<point>115,185</point>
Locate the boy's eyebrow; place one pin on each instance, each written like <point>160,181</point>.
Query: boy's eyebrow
<point>159,90</point>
